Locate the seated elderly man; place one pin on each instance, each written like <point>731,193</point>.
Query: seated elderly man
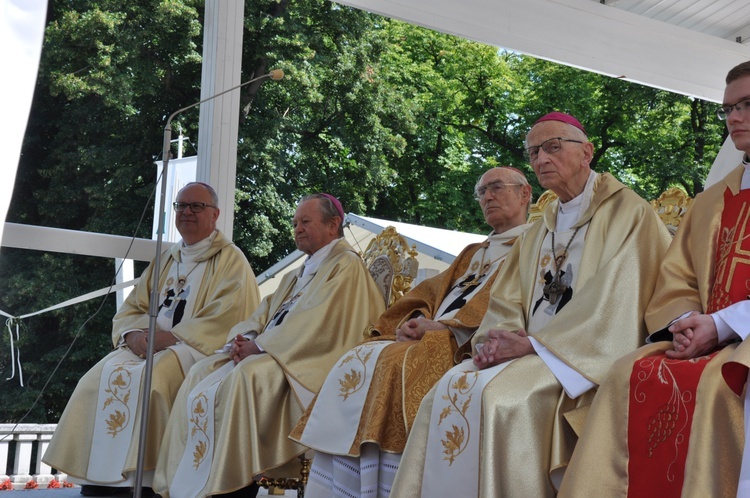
<point>675,408</point>
<point>236,408</point>
<point>207,286</point>
<point>359,431</point>
<point>568,301</point>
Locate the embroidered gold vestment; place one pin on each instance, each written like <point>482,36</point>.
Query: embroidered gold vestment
<point>228,293</point>
<point>529,425</point>
<point>256,407</point>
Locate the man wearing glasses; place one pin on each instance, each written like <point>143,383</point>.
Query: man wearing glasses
<point>236,408</point>
<point>207,286</point>
<point>675,408</point>
<point>568,301</point>
<point>359,436</point>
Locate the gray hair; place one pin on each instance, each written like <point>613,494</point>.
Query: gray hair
<point>516,177</point>
<point>209,188</point>
<point>327,209</point>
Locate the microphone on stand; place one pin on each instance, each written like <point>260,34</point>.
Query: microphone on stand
<point>276,75</point>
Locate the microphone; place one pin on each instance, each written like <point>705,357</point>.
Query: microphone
<point>276,75</point>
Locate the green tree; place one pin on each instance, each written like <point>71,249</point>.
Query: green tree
<point>87,163</point>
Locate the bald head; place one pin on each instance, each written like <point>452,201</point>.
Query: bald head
<point>197,220</point>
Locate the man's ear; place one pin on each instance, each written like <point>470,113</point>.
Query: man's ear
<point>526,194</point>
<point>336,223</point>
<point>588,152</point>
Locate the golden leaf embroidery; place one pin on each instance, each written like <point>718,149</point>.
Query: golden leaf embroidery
<point>199,454</point>
<point>349,383</point>
<point>458,395</point>
<point>452,443</point>
<point>443,414</point>
<point>460,384</point>
<point>119,381</point>
<point>465,407</point>
<point>346,360</point>
<point>199,410</point>
<point>115,422</point>
<point>198,423</point>
<point>118,386</point>
<point>354,381</point>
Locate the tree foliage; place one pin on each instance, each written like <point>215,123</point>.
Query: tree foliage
<point>395,120</point>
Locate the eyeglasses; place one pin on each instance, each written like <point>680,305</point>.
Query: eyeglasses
<point>493,187</point>
<point>196,207</point>
<point>550,146</point>
<point>743,106</point>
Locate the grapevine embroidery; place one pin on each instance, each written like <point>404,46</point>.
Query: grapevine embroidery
<point>670,421</point>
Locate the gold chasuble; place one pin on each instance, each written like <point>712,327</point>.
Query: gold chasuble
<point>528,425</point>
<point>206,288</point>
<point>221,446</point>
<point>371,396</point>
<point>674,427</point>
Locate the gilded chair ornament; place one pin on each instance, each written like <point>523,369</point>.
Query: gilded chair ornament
<point>392,263</point>
<point>671,206</point>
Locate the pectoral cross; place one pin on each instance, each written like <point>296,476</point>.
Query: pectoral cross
<point>554,289</point>
<point>470,281</point>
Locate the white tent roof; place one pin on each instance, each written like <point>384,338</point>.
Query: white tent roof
<point>685,46</point>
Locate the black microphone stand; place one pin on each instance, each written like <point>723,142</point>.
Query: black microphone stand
<point>153,313</point>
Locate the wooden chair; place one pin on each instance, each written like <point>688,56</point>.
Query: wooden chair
<point>393,265</point>
<point>671,206</point>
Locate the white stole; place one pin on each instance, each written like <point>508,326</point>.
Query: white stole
<point>195,465</point>
<point>120,382</point>
<point>335,418</point>
<point>453,443</point>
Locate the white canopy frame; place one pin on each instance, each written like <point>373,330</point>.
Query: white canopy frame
<point>604,36</point>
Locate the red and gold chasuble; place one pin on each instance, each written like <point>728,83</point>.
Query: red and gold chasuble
<point>663,391</point>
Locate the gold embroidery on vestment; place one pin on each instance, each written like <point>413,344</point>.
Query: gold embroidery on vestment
<point>354,380</point>
<point>199,423</point>
<point>119,389</point>
<point>459,394</point>
<point>742,225</point>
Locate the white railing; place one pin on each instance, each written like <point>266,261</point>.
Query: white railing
<point>26,444</point>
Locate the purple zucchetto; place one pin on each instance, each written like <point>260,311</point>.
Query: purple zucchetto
<point>336,204</point>
<point>563,118</point>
